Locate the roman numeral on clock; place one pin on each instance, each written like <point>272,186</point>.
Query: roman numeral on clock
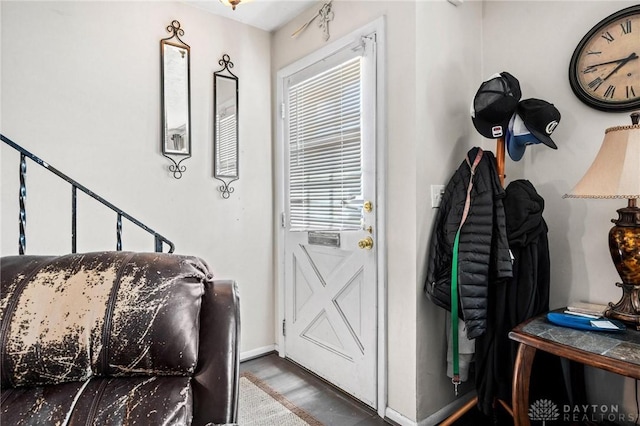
<point>607,36</point>
<point>630,92</point>
<point>626,26</point>
<point>609,92</point>
<point>595,84</point>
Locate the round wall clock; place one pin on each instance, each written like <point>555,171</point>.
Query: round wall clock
<point>604,71</point>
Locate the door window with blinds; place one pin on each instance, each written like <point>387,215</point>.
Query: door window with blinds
<point>324,128</point>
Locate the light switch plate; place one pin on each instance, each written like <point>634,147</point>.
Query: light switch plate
<point>437,191</point>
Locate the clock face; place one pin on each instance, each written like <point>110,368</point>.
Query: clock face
<point>605,68</point>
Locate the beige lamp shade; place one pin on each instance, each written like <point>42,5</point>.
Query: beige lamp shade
<point>615,173</point>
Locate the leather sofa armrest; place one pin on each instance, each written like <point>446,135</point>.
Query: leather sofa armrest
<point>216,380</point>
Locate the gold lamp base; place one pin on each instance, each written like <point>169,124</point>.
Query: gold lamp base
<point>627,309</point>
<point>624,245</point>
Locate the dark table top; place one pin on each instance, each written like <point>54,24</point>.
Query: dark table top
<point>618,346</point>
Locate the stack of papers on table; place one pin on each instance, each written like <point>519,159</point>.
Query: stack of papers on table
<point>587,308</point>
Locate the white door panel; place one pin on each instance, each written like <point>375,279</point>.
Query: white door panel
<point>330,282</point>
<point>332,312</point>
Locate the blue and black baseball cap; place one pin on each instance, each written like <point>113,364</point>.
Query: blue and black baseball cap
<point>532,124</point>
<point>518,137</point>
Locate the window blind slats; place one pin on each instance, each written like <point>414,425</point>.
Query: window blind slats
<point>306,103</point>
<point>320,162</point>
<point>336,77</point>
<point>325,150</point>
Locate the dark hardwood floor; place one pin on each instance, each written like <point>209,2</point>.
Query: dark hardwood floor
<point>324,402</point>
<point>330,406</point>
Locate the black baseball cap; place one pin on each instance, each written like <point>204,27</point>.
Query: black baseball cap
<point>541,118</point>
<point>494,104</point>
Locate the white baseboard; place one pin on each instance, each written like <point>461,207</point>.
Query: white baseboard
<point>398,418</point>
<point>255,353</point>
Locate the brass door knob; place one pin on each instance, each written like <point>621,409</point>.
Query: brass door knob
<point>366,243</point>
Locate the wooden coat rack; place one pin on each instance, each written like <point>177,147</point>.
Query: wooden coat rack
<point>500,156</point>
<point>500,159</point>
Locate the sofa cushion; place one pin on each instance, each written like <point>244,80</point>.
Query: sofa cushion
<point>38,405</point>
<point>102,401</point>
<point>108,314</point>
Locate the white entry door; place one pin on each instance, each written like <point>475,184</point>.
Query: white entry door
<point>330,219</point>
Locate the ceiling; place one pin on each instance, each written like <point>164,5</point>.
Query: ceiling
<point>267,15</point>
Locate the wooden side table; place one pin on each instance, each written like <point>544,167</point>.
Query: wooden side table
<point>617,352</point>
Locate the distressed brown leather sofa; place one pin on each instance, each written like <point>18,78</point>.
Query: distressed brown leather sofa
<point>117,338</point>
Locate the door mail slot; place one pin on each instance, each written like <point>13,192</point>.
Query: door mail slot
<point>327,239</point>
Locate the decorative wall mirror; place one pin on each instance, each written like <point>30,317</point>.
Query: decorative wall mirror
<point>176,99</point>
<point>225,126</point>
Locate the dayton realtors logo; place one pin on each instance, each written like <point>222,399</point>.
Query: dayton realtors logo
<point>545,411</point>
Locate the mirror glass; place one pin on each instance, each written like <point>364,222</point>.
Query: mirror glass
<point>226,126</point>
<point>175,99</point>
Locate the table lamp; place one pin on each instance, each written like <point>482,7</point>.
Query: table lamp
<point>615,173</point>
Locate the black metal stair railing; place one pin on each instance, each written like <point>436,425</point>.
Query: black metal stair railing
<point>75,186</point>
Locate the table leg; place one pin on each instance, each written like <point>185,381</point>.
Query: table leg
<point>460,412</point>
<point>521,376</point>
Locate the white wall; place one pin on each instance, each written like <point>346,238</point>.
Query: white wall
<point>81,89</point>
<point>448,53</point>
<point>578,229</point>
<point>534,40</point>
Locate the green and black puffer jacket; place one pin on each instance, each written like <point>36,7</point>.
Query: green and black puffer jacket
<point>483,255</point>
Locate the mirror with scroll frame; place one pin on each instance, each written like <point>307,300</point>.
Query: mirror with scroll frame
<point>176,99</point>
<point>225,126</point>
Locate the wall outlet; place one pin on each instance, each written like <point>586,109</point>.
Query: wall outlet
<point>437,191</point>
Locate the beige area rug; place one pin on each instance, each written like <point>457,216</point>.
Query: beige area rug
<point>260,405</point>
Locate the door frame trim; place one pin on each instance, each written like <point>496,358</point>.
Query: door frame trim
<point>379,27</point>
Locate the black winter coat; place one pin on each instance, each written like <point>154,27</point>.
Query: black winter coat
<point>483,252</point>
<point>525,296</point>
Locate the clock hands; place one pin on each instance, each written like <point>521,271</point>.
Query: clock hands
<point>621,64</point>
<point>625,60</point>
